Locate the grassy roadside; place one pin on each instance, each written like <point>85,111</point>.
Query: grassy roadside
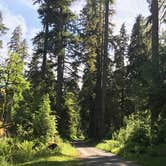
<point>52,161</point>
<point>155,156</point>
<point>68,156</point>
<point>23,154</point>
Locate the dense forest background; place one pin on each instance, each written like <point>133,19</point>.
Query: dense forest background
<point>83,81</point>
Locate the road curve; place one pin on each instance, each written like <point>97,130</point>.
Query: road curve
<point>91,156</point>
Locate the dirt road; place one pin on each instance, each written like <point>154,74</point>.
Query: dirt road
<point>91,156</point>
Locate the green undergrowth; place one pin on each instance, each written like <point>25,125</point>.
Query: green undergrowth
<point>28,153</point>
<point>67,157</point>
<point>154,156</point>
<point>136,141</point>
<point>61,160</point>
<point>110,146</point>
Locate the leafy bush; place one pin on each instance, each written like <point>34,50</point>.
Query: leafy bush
<point>134,137</point>
<point>110,146</point>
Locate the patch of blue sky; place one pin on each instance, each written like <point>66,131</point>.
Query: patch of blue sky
<point>24,8</point>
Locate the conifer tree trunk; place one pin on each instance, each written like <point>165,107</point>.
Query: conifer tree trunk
<point>44,63</point>
<point>59,82</point>
<point>97,115</point>
<point>105,57</point>
<point>155,53</point>
<point>101,65</point>
<point>60,75</point>
<point>97,125</point>
<point>155,33</point>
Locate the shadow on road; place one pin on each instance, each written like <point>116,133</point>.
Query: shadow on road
<point>93,161</point>
<point>91,156</point>
<point>104,161</point>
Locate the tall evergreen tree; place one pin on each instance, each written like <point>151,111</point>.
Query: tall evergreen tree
<point>96,31</point>
<point>156,7</point>
<point>3,29</point>
<point>155,34</point>
<point>138,56</point>
<point>17,45</point>
<point>91,16</point>
<point>104,68</point>
<point>117,82</point>
<point>14,44</point>
<point>62,36</point>
<point>45,15</point>
<point>55,44</point>
<point>121,46</point>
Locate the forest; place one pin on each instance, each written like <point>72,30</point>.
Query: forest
<point>84,83</point>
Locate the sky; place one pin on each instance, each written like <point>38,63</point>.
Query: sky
<point>24,13</point>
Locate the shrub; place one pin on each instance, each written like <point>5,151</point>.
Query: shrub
<point>14,151</point>
<point>134,137</point>
<point>138,132</point>
<point>110,145</point>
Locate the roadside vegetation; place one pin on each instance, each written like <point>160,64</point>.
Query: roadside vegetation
<point>138,142</point>
<point>28,153</point>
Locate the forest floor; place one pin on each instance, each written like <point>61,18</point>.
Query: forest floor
<point>68,156</point>
<point>91,156</point>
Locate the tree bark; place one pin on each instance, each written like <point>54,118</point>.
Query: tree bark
<point>155,52</point>
<point>45,50</point>
<point>101,65</point>
<point>96,117</point>
<point>105,57</point>
<point>60,78</point>
<point>155,35</point>
<point>59,83</point>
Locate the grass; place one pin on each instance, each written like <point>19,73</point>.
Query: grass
<point>67,157</point>
<point>63,155</point>
<point>155,156</point>
<point>60,160</point>
<point>68,150</point>
<point>110,146</point>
